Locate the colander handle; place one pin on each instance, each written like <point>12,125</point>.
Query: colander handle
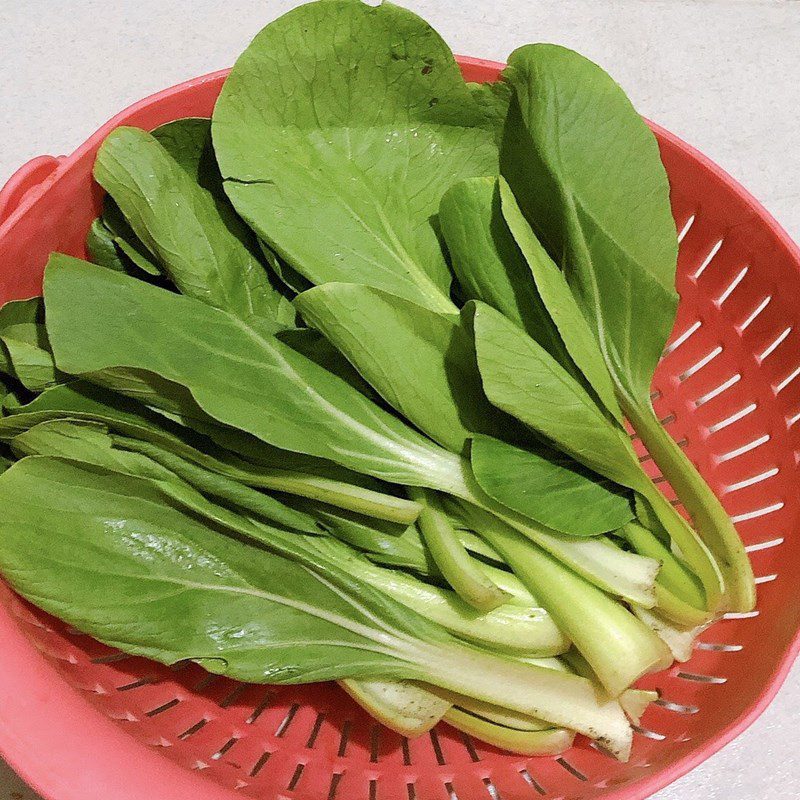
<point>27,177</point>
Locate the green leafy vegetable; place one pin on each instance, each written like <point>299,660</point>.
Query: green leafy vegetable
<point>548,742</point>
<point>568,125</point>
<point>298,625</point>
<point>91,444</point>
<point>440,391</point>
<point>404,707</point>
<point>513,628</point>
<point>620,654</point>
<point>523,379</point>
<point>24,349</point>
<point>102,248</point>
<point>429,495</point>
<point>553,289</point>
<point>520,377</point>
<point>303,619</point>
<point>554,490</point>
<point>316,481</point>
<point>133,250</point>
<point>180,222</point>
<point>438,388</point>
<point>340,163</point>
<point>332,420</point>
<point>489,264</point>
<point>380,541</point>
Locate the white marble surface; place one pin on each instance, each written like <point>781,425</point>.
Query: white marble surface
<point>723,74</point>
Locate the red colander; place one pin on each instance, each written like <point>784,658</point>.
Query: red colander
<point>80,721</point>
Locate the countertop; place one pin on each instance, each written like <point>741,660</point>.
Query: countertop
<point>722,74</point>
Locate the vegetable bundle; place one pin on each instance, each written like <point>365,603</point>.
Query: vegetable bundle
<point>343,392</point>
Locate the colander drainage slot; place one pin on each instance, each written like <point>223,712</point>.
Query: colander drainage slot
<point>648,734</point>
<point>531,781</point>
<point>683,338</point>
<point>146,681</point>
<point>374,743</point>
<point>437,748</point>
<point>787,380</point>
<point>677,708</point>
<point>745,448</point>
<point>754,548</point>
<point>728,291</point>
<point>411,790</point>
<point>451,792</point>
<point>205,682</point>
<point>233,696</point>
<point>259,709</point>
<point>574,771</point>
<point>742,614</point>
<point>162,708</point>
<point>719,648</point>
<point>741,414</point>
<point>698,678</point>
<point>766,579</point>
<point>312,737</point>
<point>773,345</point>
<point>259,765</point>
<point>199,725</point>
<point>469,746</point>
<point>754,314</point>
<point>335,779</point>
<point>717,391</point>
<point>225,748</point>
<point>686,228</point>
<point>762,476</point>
<point>758,512</point>
<point>112,658</point>
<point>298,773</point>
<point>287,720</point>
<point>406,752</point>
<point>492,789</point>
<point>708,259</point>
<point>346,727</point>
<point>697,366</point>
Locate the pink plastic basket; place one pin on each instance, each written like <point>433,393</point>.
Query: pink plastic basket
<point>82,722</point>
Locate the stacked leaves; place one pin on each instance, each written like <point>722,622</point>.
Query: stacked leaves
<point>343,395</point>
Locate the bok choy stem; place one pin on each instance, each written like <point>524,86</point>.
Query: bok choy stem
<point>679,594</point>
<point>557,697</point>
<point>405,707</point>
<point>624,574</point>
<point>546,742</point>
<point>619,648</point>
<point>512,628</point>
<point>336,493</point>
<point>691,546</point>
<point>464,574</point>
<point>710,518</point>
<point>674,574</point>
